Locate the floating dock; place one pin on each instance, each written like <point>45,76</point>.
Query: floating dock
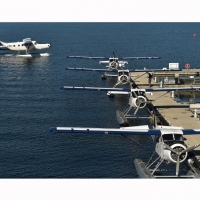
<point>175,113</point>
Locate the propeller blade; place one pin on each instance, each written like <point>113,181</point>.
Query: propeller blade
<point>190,148</point>
<point>177,165</point>
<point>116,84</point>
<point>136,110</point>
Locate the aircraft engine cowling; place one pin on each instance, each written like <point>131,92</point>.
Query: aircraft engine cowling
<point>113,65</point>
<point>123,79</point>
<point>171,156</point>
<point>140,102</point>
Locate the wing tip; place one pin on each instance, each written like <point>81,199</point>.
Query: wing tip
<point>53,129</point>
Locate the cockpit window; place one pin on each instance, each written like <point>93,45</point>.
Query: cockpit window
<point>178,137</point>
<point>126,73</point>
<point>113,59</point>
<point>167,137</point>
<point>138,93</point>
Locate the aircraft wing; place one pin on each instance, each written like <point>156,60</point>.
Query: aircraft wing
<point>137,58</point>
<point>124,130</point>
<point>114,70</point>
<point>125,90</point>
<point>87,57</point>
<point>172,89</point>
<point>27,41</point>
<point>89,69</point>
<point>153,70</point>
<point>129,89</point>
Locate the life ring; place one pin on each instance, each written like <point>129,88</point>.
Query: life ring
<point>166,79</point>
<point>187,65</point>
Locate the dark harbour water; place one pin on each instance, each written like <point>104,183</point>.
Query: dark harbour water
<point>32,102</point>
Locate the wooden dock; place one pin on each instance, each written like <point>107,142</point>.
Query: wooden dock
<point>175,113</point>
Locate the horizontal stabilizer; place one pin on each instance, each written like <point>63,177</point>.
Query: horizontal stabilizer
<point>3,48</point>
<point>117,92</point>
<point>104,62</point>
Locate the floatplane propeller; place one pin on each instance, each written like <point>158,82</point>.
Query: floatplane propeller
<point>137,98</point>
<point>179,153</point>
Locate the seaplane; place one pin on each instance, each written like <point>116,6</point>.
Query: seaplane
<point>170,148</point>
<point>113,62</point>
<point>30,47</point>
<point>137,98</point>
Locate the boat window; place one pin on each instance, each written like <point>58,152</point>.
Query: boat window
<point>13,45</point>
<point>167,137</point>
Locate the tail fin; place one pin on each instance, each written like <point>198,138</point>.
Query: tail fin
<point>2,43</point>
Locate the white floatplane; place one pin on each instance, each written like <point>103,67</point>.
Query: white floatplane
<point>170,148</point>
<point>27,45</point>
<point>113,62</point>
<point>137,98</point>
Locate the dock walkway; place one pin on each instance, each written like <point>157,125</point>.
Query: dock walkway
<point>175,113</point>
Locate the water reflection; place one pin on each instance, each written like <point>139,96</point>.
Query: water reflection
<point>10,60</point>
